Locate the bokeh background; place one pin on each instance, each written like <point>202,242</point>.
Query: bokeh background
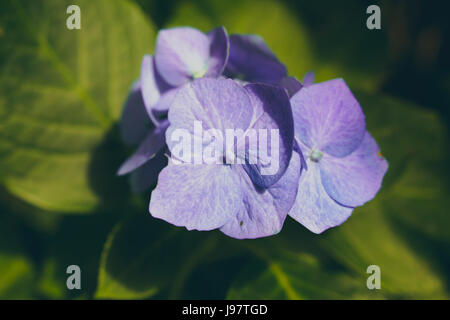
<point>61,204</point>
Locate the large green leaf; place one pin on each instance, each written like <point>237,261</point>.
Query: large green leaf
<point>77,241</point>
<point>144,257</point>
<point>61,91</point>
<point>415,142</point>
<point>294,276</point>
<point>368,238</point>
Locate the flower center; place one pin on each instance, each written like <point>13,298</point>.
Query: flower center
<point>315,155</point>
<point>200,72</point>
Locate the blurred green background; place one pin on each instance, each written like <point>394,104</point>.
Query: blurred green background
<point>61,95</point>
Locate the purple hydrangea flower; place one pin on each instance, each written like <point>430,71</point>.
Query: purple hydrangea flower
<point>322,148</point>
<point>181,54</point>
<point>344,168</point>
<point>231,196</point>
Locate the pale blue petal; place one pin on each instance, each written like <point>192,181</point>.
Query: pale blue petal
<point>200,197</point>
<point>264,210</point>
<point>313,207</point>
<point>327,117</point>
<point>356,178</point>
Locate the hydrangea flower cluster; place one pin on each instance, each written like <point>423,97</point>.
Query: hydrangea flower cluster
<point>327,163</point>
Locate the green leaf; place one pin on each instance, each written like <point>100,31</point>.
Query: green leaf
<point>16,279</point>
<point>144,257</point>
<point>77,241</point>
<point>294,276</point>
<point>368,238</point>
<point>413,141</point>
<point>61,92</point>
<point>420,200</point>
<point>52,280</point>
<point>16,270</point>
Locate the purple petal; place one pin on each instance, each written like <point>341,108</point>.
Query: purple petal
<point>355,179</point>
<point>251,60</point>
<point>217,103</point>
<point>274,113</point>
<point>327,117</point>
<point>313,207</point>
<point>147,150</point>
<point>264,210</point>
<point>200,197</point>
<point>182,54</point>
<point>218,53</point>
<point>135,123</point>
<point>308,79</point>
<point>152,86</point>
<point>164,102</point>
<point>146,175</point>
<point>291,84</point>
<point>150,90</point>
